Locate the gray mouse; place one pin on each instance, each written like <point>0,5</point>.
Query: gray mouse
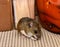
<point>29,27</point>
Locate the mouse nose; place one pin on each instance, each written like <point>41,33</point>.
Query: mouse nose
<point>38,36</point>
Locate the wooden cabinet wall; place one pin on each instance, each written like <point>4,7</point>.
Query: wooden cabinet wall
<point>6,16</point>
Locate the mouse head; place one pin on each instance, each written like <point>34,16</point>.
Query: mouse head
<point>30,28</point>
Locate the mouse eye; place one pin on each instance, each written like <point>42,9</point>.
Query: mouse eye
<point>35,31</point>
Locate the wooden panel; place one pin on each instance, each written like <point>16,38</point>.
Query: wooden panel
<point>6,18</point>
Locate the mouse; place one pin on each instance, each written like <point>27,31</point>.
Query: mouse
<point>29,27</point>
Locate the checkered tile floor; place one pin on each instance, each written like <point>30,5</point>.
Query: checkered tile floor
<point>12,39</point>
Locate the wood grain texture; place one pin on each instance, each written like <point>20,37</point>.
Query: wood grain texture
<point>6,16</point>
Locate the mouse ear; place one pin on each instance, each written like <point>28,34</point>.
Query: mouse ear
<point>30,24</point>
